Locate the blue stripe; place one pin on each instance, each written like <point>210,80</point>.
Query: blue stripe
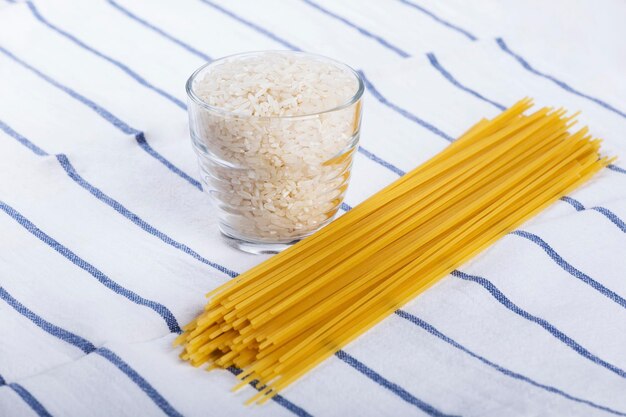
<point>440,20</point>
<point>29,399</point>
<point>381,161</point>
<point>454,81</point>
<point>568,341</point>
<point>21,139</point>
<point>143,144</point>
<point>69,169</point>
<point>161,32</point>
<point>556,81</point>
<point>144,385</point>
<point>385,383</point>
<point>277,398</point>
<point>93,106</point>
<point>360,29</point>
<point>26,397</point>
<point>402,111</point>
<point>435,63</point>
<point>288,405</point>
<point>107,58</point>
<point>88,347</point>
<point>433,331</point>
<point>251,25</point>
<point>115,205</point>
<point>67,336</point>
<point>617,169</point>
<point>573,202</point>
<point>612,217</point>
<point>566,266</point>
<point>160,309</point>
<point>109,117</point>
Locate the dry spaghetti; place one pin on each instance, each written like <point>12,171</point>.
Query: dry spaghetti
<point>283,317</point>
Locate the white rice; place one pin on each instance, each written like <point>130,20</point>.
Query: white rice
<point>270,173</point>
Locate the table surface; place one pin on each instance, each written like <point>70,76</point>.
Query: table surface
<point>108,245</point>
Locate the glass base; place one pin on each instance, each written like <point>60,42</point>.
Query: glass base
<point>256,247</point>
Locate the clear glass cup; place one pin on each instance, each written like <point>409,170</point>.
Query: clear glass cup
<point>274,180</point>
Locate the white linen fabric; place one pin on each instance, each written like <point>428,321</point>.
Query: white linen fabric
<point>108,244</point>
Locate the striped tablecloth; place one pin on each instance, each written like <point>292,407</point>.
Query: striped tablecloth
<point>107,244</point>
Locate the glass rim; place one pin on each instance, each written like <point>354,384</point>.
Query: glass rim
<point>229,113</point>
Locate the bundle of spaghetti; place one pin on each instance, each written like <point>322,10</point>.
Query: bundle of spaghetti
<point>281,318</point>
